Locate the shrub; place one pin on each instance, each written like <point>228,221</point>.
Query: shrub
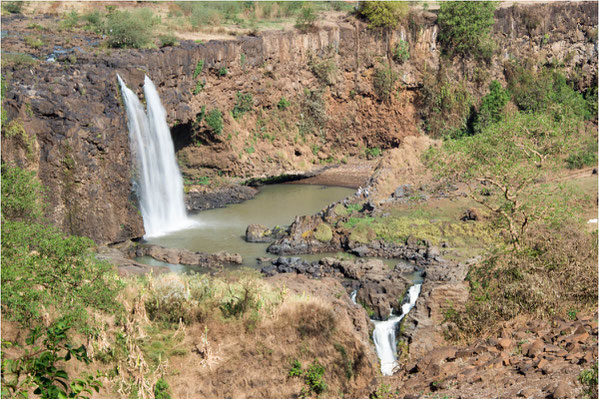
<point>168,40</point>
<point>588,378</point>
<point>384,80</point>
<point>34,42</point>
<point>306,18</point>
<point>38,367</point>
<point>383,14</point>
<point>125,29</point>
<point>465,28</point>
<point>21,200</point>
<point>314,378</point>
<point>169,301</point>
<point>323,233</point>
<point>401,52</point>
<point>325,70</point>
<point>44,270</point>
<point>447,107</point>
<point>161,389</point>
<point>283,104</point>
<point>545,90</point>
<point>13,7</point>
<point>198,87</point>
<point>214,120</point>
<point>223,71</point>
<point>244,103</point>
<point>313,111</point>
<point>372,152</point>
<point>584,156</point>
<point>491,109</point>
<point>198,69</point>
<point>69,21</point>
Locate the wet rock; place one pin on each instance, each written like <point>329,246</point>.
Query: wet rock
<point>183,256</point>
<point>256,233</point>
<point>205,198</point>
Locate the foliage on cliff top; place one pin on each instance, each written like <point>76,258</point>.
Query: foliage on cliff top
<point>127,29</point>
<point>465,28</point>
<point>383,14</point>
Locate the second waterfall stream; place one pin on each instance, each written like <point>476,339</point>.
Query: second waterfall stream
<point>384,331</point>
<point>158,179</point>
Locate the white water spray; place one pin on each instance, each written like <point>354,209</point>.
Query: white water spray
<point>159,179</point>
<point>384,333</point>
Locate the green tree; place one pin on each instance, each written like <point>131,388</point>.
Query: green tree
<point>501,165</point>
<point>465,28</point>
<point>306,18</point>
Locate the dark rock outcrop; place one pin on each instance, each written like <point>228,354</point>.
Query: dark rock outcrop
<point>183,256</point>
<point>219,197</point>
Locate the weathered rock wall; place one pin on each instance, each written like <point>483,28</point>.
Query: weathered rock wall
<point>75,122</point>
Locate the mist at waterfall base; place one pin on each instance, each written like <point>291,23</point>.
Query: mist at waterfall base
<point>158,180</point>
<point>384,331</point>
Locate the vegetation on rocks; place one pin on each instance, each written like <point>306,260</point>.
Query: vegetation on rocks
<point>465,28</point>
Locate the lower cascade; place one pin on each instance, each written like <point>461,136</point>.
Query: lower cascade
<point>159,181</point>
<point>384,333</point>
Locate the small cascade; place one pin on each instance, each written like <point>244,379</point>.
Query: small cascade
<point>384,333</point>
<point>160,185</point>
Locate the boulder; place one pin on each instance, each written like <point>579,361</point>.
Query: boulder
<point>471,214</point>
<point>256,233</point>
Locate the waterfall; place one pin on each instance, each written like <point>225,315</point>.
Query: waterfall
<point>159,181</point>
<point>384,333</point>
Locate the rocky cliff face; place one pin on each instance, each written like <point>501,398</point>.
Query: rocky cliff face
<point>75,134</point>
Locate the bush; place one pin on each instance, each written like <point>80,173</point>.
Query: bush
<point>588,378</point>
<point>492,106</point>
<point>283,104</point>
<point>384,80</point>
<point>448,107</point>
<point>584,156</point>
<point>556,271</point>
<point>244,103</point>
<point>545,90</point>
<point>465,28</point>
<point>21,195</point>
<point>383,14</point>
<point>168,40</point>
<point>13,7</point>
<point>44,270</point>
<point>161,389</point>
<point>325,70</point>
<point>323,233</point>
<point>306,18</point>
<point>125,29</point>
<point>38,367</point>
<point>401,52</point>
<point>214,120</point>
<point>198,69</point>
<point>222,71</point>
<point>169,301</point>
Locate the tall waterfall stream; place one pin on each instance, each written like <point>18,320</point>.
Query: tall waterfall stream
<point>158,179</point>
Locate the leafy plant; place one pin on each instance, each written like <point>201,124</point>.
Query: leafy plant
<point>296,369</point>
<point>306,18</point>
<point>13,7</point>
<point>383,14</point>
<point>214,120</point>
<point>198,87</point>
<point>384,80</point>
<point>401,52</point>
<point>168,40</point>
<point>588,378</point>
<point>42,269</point>
<point>283,104</point>
<point>37,368</point>
<point>125,29</point>
<point>198,69</point>
<point>465,28</point>
<point>161,389</point>
<point>491,108</point>
<point>34,42</point>
<point>223,71</point>
<point>244,103</point>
